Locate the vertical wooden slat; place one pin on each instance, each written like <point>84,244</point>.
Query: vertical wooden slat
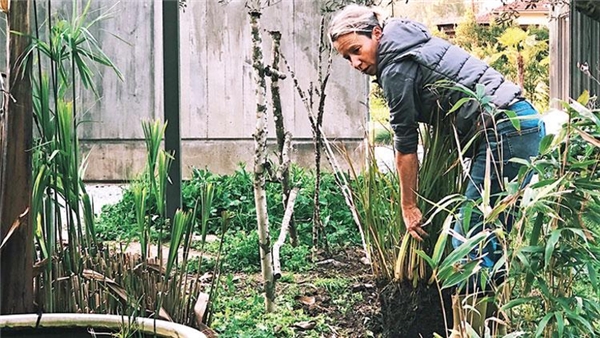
<point>585,49</point>
<point>16,258</point>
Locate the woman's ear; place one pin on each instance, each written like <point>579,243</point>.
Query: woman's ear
<point>377,33</point>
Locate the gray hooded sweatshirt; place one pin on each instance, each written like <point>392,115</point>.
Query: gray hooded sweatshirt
<point>410,65</point>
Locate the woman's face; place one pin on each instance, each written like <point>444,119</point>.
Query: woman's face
<point>360,50</point>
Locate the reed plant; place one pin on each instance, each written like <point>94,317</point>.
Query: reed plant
<point>61,208</point>
<point>157,166</point>
<point>377,195</point>
<point>114,281</point>
<point>155,285</point>
<point>74,271</point>
<point>411,302</point>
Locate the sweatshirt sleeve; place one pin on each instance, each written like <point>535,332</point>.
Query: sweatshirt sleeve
<point>398,83</point>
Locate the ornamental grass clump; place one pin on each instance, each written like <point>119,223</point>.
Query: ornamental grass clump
<point>377,195</point>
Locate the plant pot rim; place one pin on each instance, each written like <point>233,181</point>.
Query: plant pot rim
<point>84,320</point>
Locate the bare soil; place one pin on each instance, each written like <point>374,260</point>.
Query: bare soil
<point>364,318</point>
<point>386,310</point>
<point>414,312</point>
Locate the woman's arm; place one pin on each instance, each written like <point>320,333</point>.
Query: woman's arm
<point>408,169</point>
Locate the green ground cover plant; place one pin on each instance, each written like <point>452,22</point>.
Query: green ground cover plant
<point>322,302</point>
<point>233,193</point>
<point>240,253</point>
<point>244,317</point>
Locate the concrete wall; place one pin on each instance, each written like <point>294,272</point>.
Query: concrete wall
<point>217,103</point>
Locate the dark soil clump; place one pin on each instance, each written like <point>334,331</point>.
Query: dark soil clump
<point>409,312</point>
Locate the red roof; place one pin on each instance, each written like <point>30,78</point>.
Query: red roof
<point>517,6</point>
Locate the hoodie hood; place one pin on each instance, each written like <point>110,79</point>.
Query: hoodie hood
<point>399,38</point>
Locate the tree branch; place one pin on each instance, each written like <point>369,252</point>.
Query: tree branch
<point>285,223</point>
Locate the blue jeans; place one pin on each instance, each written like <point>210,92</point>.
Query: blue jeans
<point>505,142</point>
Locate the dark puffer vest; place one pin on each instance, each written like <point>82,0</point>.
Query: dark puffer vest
<point>411,64</point>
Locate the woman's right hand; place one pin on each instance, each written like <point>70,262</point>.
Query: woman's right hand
<point>413,221</point>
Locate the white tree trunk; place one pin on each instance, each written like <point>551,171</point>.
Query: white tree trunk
<point>260,158</point>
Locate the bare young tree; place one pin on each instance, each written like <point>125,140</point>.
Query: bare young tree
<point>314,101</point>
<point>260,160</point>
<point>329,155</point>
<point>261,167</point>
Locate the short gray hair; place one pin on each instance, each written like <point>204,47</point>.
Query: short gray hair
<point>354,19</point>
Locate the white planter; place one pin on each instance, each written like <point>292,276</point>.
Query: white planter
<point>98,322</point>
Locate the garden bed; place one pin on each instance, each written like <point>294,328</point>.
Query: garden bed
<point>337,297</point>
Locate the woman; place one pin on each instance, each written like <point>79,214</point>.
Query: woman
<point>414,70</point>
